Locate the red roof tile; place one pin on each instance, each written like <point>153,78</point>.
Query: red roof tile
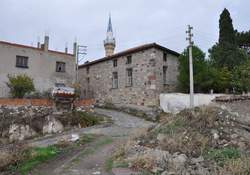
<point>34,48</point>
<point>130,51</point>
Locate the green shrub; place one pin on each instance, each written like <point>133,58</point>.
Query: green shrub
<point>222,155</point>
<point>20,85</point>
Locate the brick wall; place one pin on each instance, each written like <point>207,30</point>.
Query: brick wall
<point>40,102</point>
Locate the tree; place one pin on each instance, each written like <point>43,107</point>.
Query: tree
<point>243,40</point>
<point>226,53</point>
<point>241,78</point>
<point>200,71</point>
<point>227,33</point>
<point>20,85</point>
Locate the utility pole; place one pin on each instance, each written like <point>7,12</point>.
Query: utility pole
<point>81,51</point>
<point>191,76</point>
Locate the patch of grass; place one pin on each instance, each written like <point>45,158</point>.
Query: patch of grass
<point>171,127</point>
<point>109,164</point>
<point>103,142</point>
<point>92,150</point>
<point>87,138</point>
<point>222,155</point>
<point>148,173</point>
<point>84,119</point>
<point>36,156</point>
<point>236,166</point>
<point>121,164</point>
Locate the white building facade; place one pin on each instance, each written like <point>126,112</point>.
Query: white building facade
<point>47,68</point>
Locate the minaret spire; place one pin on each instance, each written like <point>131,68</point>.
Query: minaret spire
<point>109,42</point>
<point>110,29</point>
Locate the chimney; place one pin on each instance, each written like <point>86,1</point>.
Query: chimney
<point>66,47</point>
<point>38,45</point>
<point>46,43</point>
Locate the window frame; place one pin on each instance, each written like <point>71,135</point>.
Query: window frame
<point>115,63</point>
<point>164,74</point>
<point>129,77</point>
<point>58,63</point>
<point>87,70</point>
<point>115,80</point>
<point>165,56</point>
<point>129,59</point>
<point>22,61</point>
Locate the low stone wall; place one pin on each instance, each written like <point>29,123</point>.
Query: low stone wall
<point>26,118</point>
<point>25,102</point>
<point>40,102</point>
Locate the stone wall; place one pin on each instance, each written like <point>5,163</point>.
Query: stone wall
<point>20,120</point>
<point>147,68</point>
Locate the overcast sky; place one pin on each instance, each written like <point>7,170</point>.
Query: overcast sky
<point>135,22</point>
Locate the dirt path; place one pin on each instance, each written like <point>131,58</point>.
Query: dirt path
<point>91,159</point>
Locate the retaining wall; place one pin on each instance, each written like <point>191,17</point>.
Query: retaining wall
<point>40,102</point>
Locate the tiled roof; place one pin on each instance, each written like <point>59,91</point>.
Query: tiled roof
<point>130,51</point>
<point>34,48</point>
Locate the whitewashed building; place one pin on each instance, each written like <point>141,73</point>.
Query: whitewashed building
<point>48,68</point>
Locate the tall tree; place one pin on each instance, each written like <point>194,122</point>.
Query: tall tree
<point>226,53</point>
<point>201,79</point>
<point>227,33</point>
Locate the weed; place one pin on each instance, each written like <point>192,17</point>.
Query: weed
<point>236,166</point>
<point>87,138</point>
<point>222,155</point>
<point>84,119</point>
<point>109,164</point>
<point>37,156</point>
<point>171,127</point>
<point>148,173</point>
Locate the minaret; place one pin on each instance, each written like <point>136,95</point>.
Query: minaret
<point>109,42</point>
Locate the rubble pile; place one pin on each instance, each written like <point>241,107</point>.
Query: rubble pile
<point>205,140</point>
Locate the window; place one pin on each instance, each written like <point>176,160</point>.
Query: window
<point>60,85</point>
<point>115,80</point>
<point>115,63</point>
<point>88,80</point>
<point>165,74</point>
<point>165,57</point>
<point>129,77</point>
<point>87,70</point>
<point>129,59</point>
<point>22,61</point>
<point>60,67</point>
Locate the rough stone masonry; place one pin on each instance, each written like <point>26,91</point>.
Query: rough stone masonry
<point>136,76</point>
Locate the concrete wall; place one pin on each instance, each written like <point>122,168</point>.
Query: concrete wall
<point>175,102</point>
<point>42,67</point>
<point>147,68</point>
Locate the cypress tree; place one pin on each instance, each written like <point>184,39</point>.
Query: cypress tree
<point>226,53</point>
<point>227,33</point>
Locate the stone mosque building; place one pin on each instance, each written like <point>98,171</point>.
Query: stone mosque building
<point>135,76</point>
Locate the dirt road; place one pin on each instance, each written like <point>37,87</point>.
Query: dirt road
<point>91,159</point>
